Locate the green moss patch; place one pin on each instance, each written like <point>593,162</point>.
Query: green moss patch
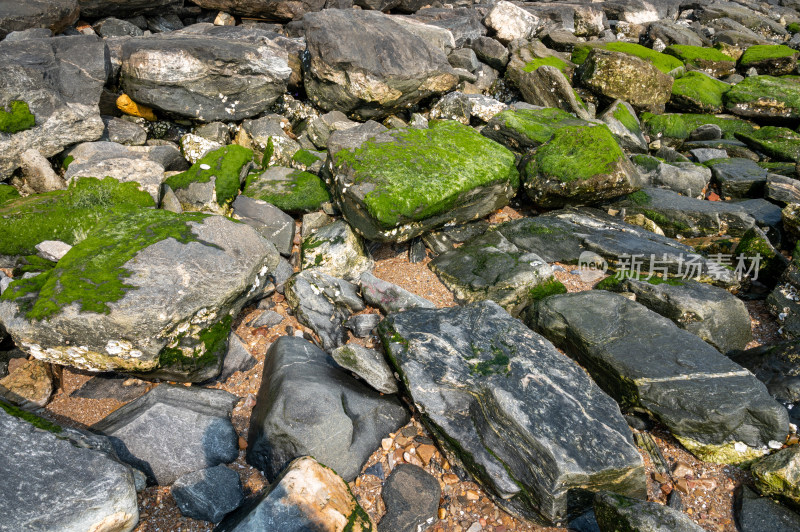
<point>763,52</point>
<point>695,55</point>
<point>779,143</point>
<point>424,172</point>
<point>224,164</point>
<point>623,114</point>
<point>546,61</point>
<point>794,27</point>
<point>17,118</point>
<point>213,342</point>
<point>546,289</point>
<point>305,157</point>
<point>639,197</point>
<point>665,63</point>
<point>538,125</point>
<point>299,192</point>
<point>577,153</point>
<point>777,95</point>
<point>33,419</point>
<point>7,193</point>
<point>65,215</point>
<point>696,91</point>
<point>93,272</point>
<point>679,125</point>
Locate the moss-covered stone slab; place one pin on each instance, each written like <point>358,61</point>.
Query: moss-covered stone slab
<point>662,61</point>
<point>522,129</point>
<point>771,264</point>
<point>293,191</point>
<point>709,60</point>
<point>17,118</point>
<point>716,408</point>
<point>627,77</point>
<point>696,92</point>
<point>491,267</point>
<point>680,125</point>
<point>779,143</point>
<point>65,215</point>
<point>148,289</point>
<point>579,165</point>
<point>771,59</point>
<point>503,403</point>
<point>778,476</point>
<point>621,119</point>
<point>765,97</point>
<point>213,182</point>
<point>403,183</point>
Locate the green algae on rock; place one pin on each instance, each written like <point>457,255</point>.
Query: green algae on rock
<point>546,61</point>
<point>765,97</point>
<point>680,125</point>
<point>665,63</point>
<point>213,182</point>
<point>65,215</point>
<point>772,59</point>
<point>292,191</point>
<point>778,476</point>
<point>579,165</point>
<point>710,60</point>
<point>521,129</point>
<point>779,143</point>
<point>403,183</point>
<point>7,193</point>
<point>17,118</point>
<point>699,93</point>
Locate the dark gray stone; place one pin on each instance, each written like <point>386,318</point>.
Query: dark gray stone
<point>464,58</point>
<point>55,15</point>
<point>281,10</point>
<point>688,179</point>
<point>111,386</point>
<point>307,405</point>
<point>65,480</point>
<point>718,410</point>
<point>362,325</point>
<point>490,51</point>
<point>114,27</point>
<point>761,514</point>
<point>777,366</point>
<point>389,297</point>
<point>209,494</point>
<point>783,189</point>
<point>506,405</point>
<point>123,132</point>
<point>464,23</point>
<point>353,137</point>
<point>237,358</point>
<point>740,178</point>
<point>173,430</point>
<point>615,512</point>
<point>270,222</point>
<point>367,364</point>
<point>411,495</point>
<point>94,9</point>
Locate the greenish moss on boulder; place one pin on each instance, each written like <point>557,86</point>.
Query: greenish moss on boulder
<point>679,125</point>
<point>146,287</point>
<point>403,183</point>
<point>17,118</point>
<point>778,476</point>
<point>522,129</point>
<point>665,63</point>
<point>290,190</point>
<point>779,143</point>
<point>765,97</point>
<point>771,264</point>
<point>213,182</point>
<point>709,60</point>
<point>7,192</point>
<point>579,165</point>
<point>65,215</point>
<point>696,92</point>
<point>772,59</point>
<point>626,514</point>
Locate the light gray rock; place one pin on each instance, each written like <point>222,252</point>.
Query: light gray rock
<point>52,250</point>
<point>614,511</point>
<point>389,297</point>
<point>335,249</point>
<point>510,22</point>
<point>209,494</point>
<point>343,420</point>
<point>272,223</point>
<point>38,172</point>
<point>688,179</point>
<point>148,174</point>
<point>173,430</point>
<point>237,358</point>
<point>367,364</point>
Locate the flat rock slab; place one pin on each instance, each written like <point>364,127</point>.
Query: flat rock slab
<point>53,14</point>
<point>718,410</point>
<point>389,297</point>
<point>525,420</point>
<point>307,405</point>
<point>739,178</point>
<point>403,183</point>
<point>174,430</point>
<point>306,496</point>
<point>367,364</point>
<point>53,483</point>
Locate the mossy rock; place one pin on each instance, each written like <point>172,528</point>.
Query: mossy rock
<point>778,475</point>
<point>522,129</point>
<point>292,191</point>
<point>754,243</point>
<point>794,27</point>
<point>66,215</point>
<point>225,166</point>
<point>579,165</point>
<point>7,193</point>
<point>665,63</point>
<point>765,97</point>
<point>17,118</point>
<point>680,125</point>
<point>710,60</point>
<point>773,59</point>
<point>779,143</point>
<point>552,61</point>
<point>698,93</point>
<point>405,182</point>
<point>627,119</point>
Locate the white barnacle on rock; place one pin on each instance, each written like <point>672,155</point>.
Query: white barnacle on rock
<point>118,347</point>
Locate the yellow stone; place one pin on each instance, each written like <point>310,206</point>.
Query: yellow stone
<point>129,107</point>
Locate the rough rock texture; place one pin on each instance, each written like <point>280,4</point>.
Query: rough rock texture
<point>405,182</point>
<point>765,97</point>
<point>173,430</point>
<point>30,386</point>
<point>367,364</point>
<point>56,15</point>
<point>306,496</point>
<point>412,497</point>
<point>778,476</point>
<point>389,297</point>
<point>520,416</point>
<point>718,410</point>
<point>777,366</point>
<point>279,10</point>
<point>761,514</point>
<point>61,480</point>
<point>148,174</point>
<point>336,250</point>
<point>370,64</point>
<point>61,95</point>
<point>204,77</point>
<point>169,312</point>
<point>309,406</point>
<point>615,512</point>
<point>209,494</point>
<point>684,178</point>
<point>271,222</point>
<point>126,8</point>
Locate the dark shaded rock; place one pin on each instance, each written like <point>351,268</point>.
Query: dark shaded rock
<point>272,223</point>
<point>782,189</point>
<point>777,366</point>
<point>173,430</point>
<point>61,479</point>
<point>517,414</point>
<point>411,495</point>
<point>123,132</point>
<point>491,52</point>
<point>362,325</point>
<point>111,386</point>
<point>389,297</point>
<point>279,10</point>
<point>55,15</point>
<point>739,178</point>
<point>209,494</point>
<point>464,23</point>
<point>306,496</point>
<point>93,9</point>
<point>615,512</point>
<point>307,405</point>
<point>761,514</point>
<point>114,27</point>
<point>718,410</point>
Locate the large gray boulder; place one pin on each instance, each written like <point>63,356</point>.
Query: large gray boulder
<point>53,14</point>
<point>307,405</point>
<point>60,81</point>
<point>370,64</point>
<point>59,479</point>
<point>526,421</point>
<point>204,77</point>
<point>174,430</point>
<point>160,300</point>
<point>718,410</point>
